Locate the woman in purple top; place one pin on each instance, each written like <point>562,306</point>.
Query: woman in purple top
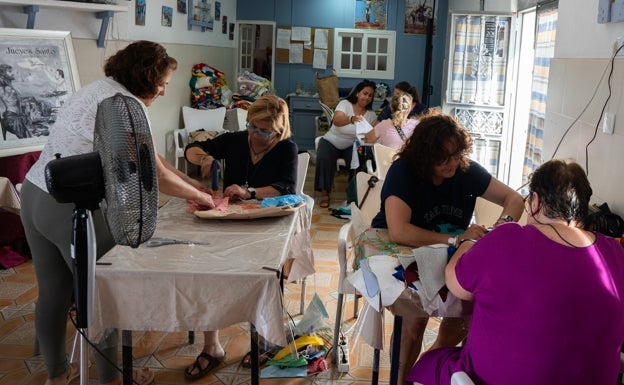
<point>548,296</point>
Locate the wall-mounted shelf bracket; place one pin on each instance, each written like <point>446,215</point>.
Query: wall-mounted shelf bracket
<point>101,11</point>
<point>31,11</point>
<point>105,16</point>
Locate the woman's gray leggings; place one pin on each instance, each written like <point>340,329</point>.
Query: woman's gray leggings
<point>48,228</point>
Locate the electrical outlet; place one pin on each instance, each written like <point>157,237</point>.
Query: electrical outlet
<point>343,355</point>
<point>619,42</point>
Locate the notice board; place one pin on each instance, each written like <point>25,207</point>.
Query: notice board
<point>308,54</point>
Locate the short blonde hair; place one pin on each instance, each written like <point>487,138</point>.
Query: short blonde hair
<point>274,109</point>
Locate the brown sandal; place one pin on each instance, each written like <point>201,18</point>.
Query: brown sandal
<point>324,202</point>
<point>213,363</point>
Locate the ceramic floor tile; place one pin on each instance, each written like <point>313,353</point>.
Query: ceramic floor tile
<point>167,354</point>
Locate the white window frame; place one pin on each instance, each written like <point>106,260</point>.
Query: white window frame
<point>365,55</point>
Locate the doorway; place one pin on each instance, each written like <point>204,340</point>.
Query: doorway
<point>255,48</point>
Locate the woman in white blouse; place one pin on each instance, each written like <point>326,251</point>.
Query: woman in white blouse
<point>338,141</point>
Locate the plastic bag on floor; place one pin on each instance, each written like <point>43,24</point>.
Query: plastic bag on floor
<point>312,317</point>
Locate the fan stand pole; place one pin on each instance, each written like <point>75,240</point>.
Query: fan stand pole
<point>83,253</point>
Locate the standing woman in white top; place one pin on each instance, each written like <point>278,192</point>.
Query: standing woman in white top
<point>142,70</point>
<point>338,141</point>
<point>394,132</point>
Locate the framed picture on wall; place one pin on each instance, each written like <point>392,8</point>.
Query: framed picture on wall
<point>139,14</point>
<point>182,6</point>
<point>416,15</point>
<point>370,14</point>
<point>38,74</point>
<point>200,14</point>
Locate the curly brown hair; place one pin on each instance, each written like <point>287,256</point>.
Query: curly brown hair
<point>563,189</point>
<point>435,139</point>
<point>140,67</point>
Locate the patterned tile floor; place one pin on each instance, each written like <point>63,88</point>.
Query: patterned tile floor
<point>167,354</point>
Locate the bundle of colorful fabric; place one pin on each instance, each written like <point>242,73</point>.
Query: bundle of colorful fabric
<point>208,87</point>
<point>252,86</point>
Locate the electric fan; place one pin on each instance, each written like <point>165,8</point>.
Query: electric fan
<point>122,171</point>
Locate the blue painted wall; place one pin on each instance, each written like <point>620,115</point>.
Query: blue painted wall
<point>410,49</point>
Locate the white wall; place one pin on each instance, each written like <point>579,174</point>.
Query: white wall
<point>188,47</point>
<point>582,52</point>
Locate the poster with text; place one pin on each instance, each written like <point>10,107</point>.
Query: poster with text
<point>38,74</point>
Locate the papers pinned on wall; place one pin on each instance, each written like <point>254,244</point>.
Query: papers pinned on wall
<point>310,45</point>
<point>320,59</point>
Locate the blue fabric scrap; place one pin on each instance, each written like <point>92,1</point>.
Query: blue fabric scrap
<point>283,200</point>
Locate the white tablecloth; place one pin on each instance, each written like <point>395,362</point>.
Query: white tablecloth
<point>200,287</point>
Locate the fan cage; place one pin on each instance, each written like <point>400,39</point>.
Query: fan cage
<point>124,141</point>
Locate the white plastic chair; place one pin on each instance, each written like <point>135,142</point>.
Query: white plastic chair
<point>303,160</point>
<point>339,163</point>
<point>368,209</point>
<point>487,213</point>
<point>329,112</point>
<point>384,156</point>
<point>180,139</point>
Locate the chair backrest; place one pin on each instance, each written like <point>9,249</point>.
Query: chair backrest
<point>329,112</point>
<point>372,203</point>
<point>487,213</point>
<point>209,120</point>
<point>345,254</point>
<point>180,139</point>
<point>384,157</point>
<point>302,171</point>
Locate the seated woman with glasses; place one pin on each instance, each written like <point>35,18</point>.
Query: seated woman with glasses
<point>260,162</point>
<point>548,296</point>
<point>428,197</point>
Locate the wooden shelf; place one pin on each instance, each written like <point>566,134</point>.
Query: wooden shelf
<point>101,11</point>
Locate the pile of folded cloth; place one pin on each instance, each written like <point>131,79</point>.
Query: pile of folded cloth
<point>251,86</point>
<point>208,87</point>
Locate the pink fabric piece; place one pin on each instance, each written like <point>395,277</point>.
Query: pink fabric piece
<point>221,203</point>
<point>317,366</point>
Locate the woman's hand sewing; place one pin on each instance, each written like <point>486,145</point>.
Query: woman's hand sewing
<point>204,199</point>
<point>474,231</point>
<point>235,191</point>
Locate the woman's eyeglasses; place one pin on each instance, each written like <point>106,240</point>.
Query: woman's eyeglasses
<point>258,132</point>
<point>453,157</point>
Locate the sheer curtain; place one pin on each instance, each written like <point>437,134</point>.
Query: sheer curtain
<point>546,30</point>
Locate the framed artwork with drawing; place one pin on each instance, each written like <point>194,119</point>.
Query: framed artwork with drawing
<point>38,73</point>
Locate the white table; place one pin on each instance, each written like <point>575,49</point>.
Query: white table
<point>200,287</point>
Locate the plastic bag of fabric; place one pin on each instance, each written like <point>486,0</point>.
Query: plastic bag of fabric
<point>252,85</point>
<point>283,200</point>
<point>313,317</point>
